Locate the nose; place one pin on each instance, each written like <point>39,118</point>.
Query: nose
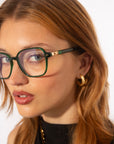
<point>17,76</point>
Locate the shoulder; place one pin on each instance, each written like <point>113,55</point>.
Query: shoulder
<point>12,135</point>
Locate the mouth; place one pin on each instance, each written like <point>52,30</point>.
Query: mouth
<point>22,97</point>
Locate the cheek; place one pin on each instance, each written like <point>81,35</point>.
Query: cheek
<point>51,82</point>
<point>47,85</point>
<point>10,87</point>
<point>54,86</point>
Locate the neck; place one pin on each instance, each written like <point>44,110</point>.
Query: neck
<point>70,116</point>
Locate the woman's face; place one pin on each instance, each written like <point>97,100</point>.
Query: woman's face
<point>51,95</point>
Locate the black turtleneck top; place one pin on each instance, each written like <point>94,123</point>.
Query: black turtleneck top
<point>55,133</point>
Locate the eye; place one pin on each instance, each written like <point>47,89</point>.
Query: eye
<point>35,58</point>
<point>4,60</point>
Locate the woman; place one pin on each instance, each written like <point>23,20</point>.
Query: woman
<point>52,67</point>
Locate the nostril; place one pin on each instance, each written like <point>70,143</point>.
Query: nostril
<point>17,80</point>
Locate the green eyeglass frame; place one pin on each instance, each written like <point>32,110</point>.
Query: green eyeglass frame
<point>46,55</point>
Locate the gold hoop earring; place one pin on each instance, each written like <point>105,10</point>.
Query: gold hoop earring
<point>82,81</point>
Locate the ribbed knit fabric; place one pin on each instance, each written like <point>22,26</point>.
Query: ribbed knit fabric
<point>55,133</point>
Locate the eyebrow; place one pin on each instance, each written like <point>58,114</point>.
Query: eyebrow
<point>1,49</point>
<point>48,47</point>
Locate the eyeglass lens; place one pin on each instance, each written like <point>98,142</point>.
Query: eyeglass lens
<point>31,61</point>
<point>5,66</point>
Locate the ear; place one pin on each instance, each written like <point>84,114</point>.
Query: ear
<point>85,63</point>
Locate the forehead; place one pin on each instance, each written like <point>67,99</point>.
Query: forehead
<point>23,33</point>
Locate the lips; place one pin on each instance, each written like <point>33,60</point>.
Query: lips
<point>22,97</point>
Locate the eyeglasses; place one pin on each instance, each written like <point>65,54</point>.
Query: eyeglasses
<point>33,62</point>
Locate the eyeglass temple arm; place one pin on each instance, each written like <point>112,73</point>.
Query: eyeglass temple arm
<point>80,51</point>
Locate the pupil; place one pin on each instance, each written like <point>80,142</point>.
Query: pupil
<point>37,57</point>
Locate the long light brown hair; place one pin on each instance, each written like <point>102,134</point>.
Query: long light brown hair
<point>68,20</point>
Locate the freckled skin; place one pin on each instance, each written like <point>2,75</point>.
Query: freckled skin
<point>54,92</point>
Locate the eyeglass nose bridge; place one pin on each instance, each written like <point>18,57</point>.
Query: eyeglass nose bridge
<point>12,64</point>
<point>14,58</point>
<point>11,60</point>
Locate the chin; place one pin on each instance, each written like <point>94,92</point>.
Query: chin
<point>28,112</point>
<point>31,111</point>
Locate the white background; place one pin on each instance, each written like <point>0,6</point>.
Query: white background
<point>102,14</point>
